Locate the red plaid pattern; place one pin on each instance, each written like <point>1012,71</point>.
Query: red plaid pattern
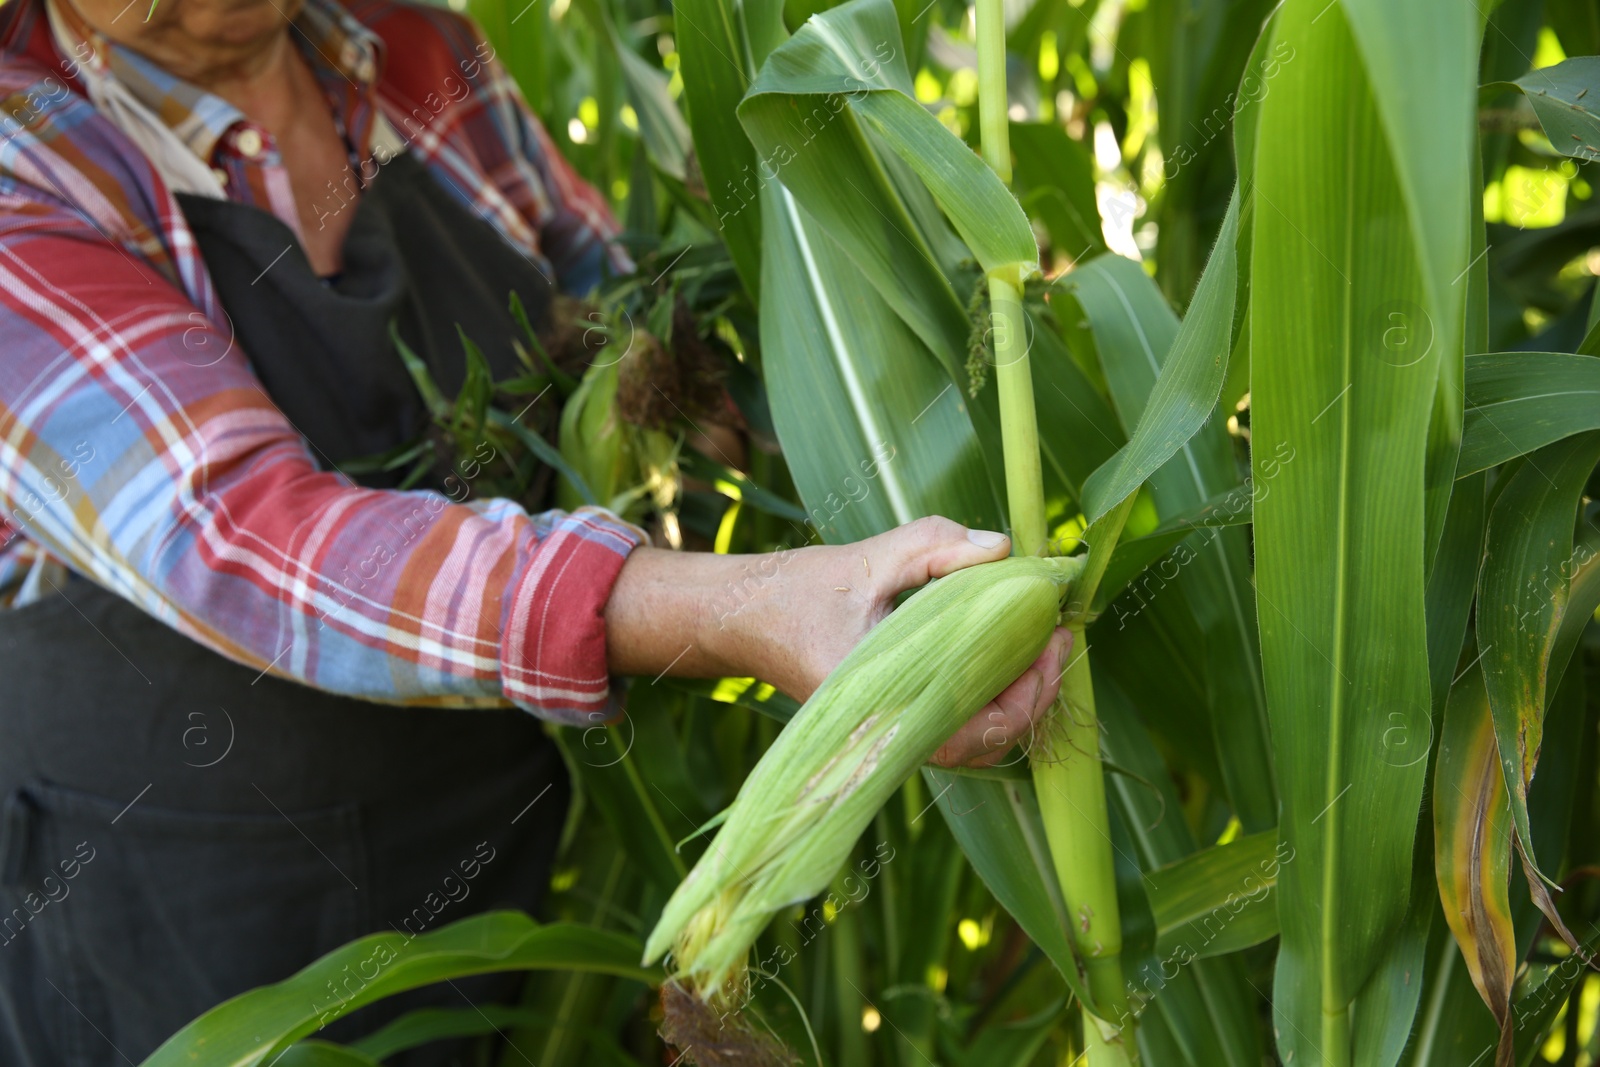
<point>138,449</point>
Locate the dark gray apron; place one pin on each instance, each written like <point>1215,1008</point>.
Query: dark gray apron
<point>178,828</point>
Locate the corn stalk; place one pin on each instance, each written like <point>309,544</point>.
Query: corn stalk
<point>1067,771</point>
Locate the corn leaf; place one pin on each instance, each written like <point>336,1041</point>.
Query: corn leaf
<point>1138,922</point>
<point>1561,99</point>
<point>661,126</point>
<point>565,383</point>
<point>875,433</point>
<point>548,454</point>
<point>853,199</point>
<point>438,406</point>
<point>744,692</point>
<point>981,208</point>
<point>1153,621</point>
<point>1560,791</point>
<point>1425,100</point>
<point>1383,1013</point>
<point>1053,175</point>
<point>434,1024</point>
<point>1134,555</point>
<point>832,122</point>
<point>1177,404</point>
<point>718,65</point>
<point>1205,1006</point>
<point>1522,597</point>
<point>1521,401</point>
<point>253,1028</point>
<point>1472,849</point>
<point>1130,324</point>
<point>1454,1026</point>
<point>739,484</point>
<point>950,255</point>
<point>1449,604</point>
<point>323,1054</point>
<point>1345,232</point>
<point>1266,58</point>
<point>851,58</point>
<point>1536,1011</point>
<point>614,785</point>
<point>1163,379</point>
<point>1217,900</point>
<point>1205,79</point>
<point>635,773</point>
<point>1583,596</point>
<point>1077,429</point>
<point>808,113</point>
<point>1011,1044</point>
<point>937,871</point>
<point>998,826</point>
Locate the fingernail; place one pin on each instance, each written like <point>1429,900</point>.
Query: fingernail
<point>986,538</point>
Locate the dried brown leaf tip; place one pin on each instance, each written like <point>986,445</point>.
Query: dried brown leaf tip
<point>709,1036</point>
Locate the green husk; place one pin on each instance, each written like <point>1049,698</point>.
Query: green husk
<point>628,468</point>
<point>920,674</point>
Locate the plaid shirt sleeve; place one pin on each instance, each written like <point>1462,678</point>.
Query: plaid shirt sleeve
<point>134,452</point>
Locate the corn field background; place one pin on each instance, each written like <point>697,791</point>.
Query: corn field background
<point>1312,351</point>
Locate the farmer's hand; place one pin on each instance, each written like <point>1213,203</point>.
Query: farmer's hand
<point>789,617</point>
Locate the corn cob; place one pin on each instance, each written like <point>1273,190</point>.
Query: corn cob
<point>920,674</point>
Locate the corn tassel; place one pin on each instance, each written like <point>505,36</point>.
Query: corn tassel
<point>920,674</point>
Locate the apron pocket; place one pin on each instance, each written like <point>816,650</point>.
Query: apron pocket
<point>169,912</point>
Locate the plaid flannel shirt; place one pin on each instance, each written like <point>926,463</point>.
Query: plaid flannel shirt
<point>138,449</point>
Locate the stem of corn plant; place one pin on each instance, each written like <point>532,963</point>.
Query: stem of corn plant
<point>993,122</point>
<point>1335,1034</point>
<point>1070,782</point>
<point>1067,772</point>
<point>1069,779</point>
<point>1019,430</point>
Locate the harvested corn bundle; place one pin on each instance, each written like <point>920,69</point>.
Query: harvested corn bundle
<point>882,712</point>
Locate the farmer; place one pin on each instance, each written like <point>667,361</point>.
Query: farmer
<point>254,707</point>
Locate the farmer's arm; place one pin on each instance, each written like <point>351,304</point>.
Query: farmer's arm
<point>789,617</point>
<point>145,454</point>
<point>142,451</point>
